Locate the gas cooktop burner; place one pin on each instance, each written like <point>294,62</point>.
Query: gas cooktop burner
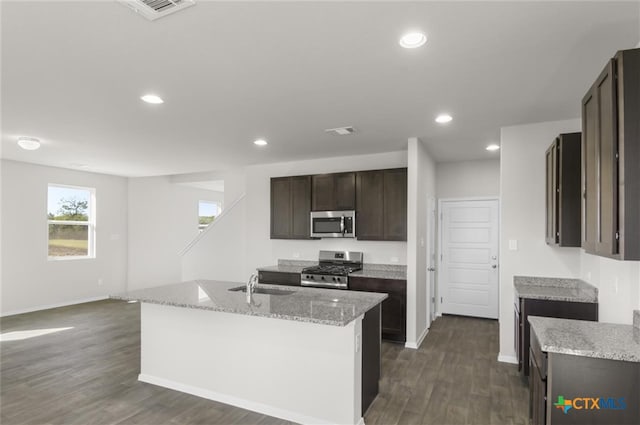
<point>331,269</point>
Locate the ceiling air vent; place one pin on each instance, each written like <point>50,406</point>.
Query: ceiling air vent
<point>155,9</point>
<point>341,131</point>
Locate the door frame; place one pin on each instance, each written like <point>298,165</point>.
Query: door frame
<point>432,234</point>
<point>439,283</point>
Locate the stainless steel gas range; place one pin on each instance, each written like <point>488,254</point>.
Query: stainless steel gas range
<point>332,270</point>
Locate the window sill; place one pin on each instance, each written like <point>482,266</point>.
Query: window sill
<point>70,257</point>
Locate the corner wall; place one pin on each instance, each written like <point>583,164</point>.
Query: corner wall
<point>163,220</point>
<point>29,280</point>
<point>522,193</point>
<point>421,186</point>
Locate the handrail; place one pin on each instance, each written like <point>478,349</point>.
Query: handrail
<point>222,215</point>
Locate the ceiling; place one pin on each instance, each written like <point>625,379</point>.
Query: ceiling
<point>232,72</point>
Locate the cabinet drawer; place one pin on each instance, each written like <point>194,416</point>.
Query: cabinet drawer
<point>279,278</point>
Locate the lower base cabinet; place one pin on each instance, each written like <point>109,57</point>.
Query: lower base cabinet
<point>576,390</point>
<point>394,308</point>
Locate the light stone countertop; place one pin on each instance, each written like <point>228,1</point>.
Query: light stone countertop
<point>588,339</point>
<point>323,306</point>
<point>555,289</point>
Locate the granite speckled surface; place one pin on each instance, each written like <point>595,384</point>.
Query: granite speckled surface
<point>555,289</point>
<point>323,306</point>
<point>589,339</point>
<point>382,271</point>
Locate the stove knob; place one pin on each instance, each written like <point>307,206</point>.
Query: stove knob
<point>322,277</point>
<point>334,279</point>
<point>312,277</point>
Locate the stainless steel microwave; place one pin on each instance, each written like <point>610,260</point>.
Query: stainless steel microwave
<point>333,224</point>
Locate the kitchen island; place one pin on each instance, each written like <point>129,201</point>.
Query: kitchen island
<point>302,354</point>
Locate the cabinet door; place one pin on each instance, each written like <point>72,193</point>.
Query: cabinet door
<point>607,151</point>
<point>552,194</point>
<point>345,191</point>
<point>537,395</point>
<point>370,205</point>
<point>394,308</point>
<point>600,165</point>
<point>517,334</point>
<point>322,192</point>
<point>301,207</point>
<point>395,205</point>
<point>568,189</point>
<point>280,208</point>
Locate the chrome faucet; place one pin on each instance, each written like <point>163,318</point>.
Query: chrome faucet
<point>251,285</point>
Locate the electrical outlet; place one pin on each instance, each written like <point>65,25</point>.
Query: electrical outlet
<point>100,282</point>
<point>513,244</point>
<point>394,259</point>
<point>296,255</point>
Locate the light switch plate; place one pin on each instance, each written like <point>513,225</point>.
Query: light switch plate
<point>513,244</point>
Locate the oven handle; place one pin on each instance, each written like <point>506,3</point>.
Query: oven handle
<point>323,285</point>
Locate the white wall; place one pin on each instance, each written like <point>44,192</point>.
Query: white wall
<point>421,186</point>
<point>29,280</point>
<point>467,179</point>
<point>163,219</point>
<point>522,193</point>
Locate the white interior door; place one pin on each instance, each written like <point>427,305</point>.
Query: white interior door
<point>468,272</point>
<point>431,260</point>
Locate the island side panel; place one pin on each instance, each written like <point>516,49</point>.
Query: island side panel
<point>299,371</point>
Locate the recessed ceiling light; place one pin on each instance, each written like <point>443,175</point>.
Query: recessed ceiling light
<point>443,118</point>
<point>412,40</point>
<point>152,98</point>
<point>492,147</point>
<point>260,142</point>
<point>28,143</point>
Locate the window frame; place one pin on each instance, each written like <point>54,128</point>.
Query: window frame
<point>90,223</point>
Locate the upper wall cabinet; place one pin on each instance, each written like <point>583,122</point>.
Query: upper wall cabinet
<point>563,191</point>
<point>290,207</point>
<point>611,160</point>
<point>333,192</point>
<point>381,207</point>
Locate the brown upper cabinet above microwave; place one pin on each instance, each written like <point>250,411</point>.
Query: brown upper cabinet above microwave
<point>333,192</point>
<point>563,191</point>
<point>611,160</point>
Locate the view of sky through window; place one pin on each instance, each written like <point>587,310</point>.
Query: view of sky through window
<point>57,194</point>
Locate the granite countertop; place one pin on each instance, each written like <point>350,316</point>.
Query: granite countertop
<point>378,271</point>
<point>323,306</point>
<point>555,289</point>
<point>589,339</point>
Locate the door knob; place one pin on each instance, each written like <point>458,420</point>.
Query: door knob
<point>431,269</point>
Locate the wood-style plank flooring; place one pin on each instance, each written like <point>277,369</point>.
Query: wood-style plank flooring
<point>87,374</point>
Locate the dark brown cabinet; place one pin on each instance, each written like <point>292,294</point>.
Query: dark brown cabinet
<point>279,278</point>
<point>290,207</point>
<point>601,391</point>
<point>611,154</point>
<point>381,205</point>
<point>526,307</point>
<point>394,308</point>
<point>333,192</point>
<point>563,200</point>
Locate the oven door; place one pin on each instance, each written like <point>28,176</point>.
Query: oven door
<point>332,224</point>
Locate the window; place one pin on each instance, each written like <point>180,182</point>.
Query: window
<point>71,222</point>
<point>207,212</point>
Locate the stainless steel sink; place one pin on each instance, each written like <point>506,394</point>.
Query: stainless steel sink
<point>266,291</point>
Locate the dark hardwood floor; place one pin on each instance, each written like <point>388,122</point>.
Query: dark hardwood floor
<point>87,374</point>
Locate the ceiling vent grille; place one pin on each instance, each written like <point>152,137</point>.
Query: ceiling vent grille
<point>155,9</point>
<point>341,131</point>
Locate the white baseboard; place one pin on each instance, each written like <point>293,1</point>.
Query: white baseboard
<point>416,345</point>
<point>507,359</point>
<point>235,401</point>
<point>49,306</point>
